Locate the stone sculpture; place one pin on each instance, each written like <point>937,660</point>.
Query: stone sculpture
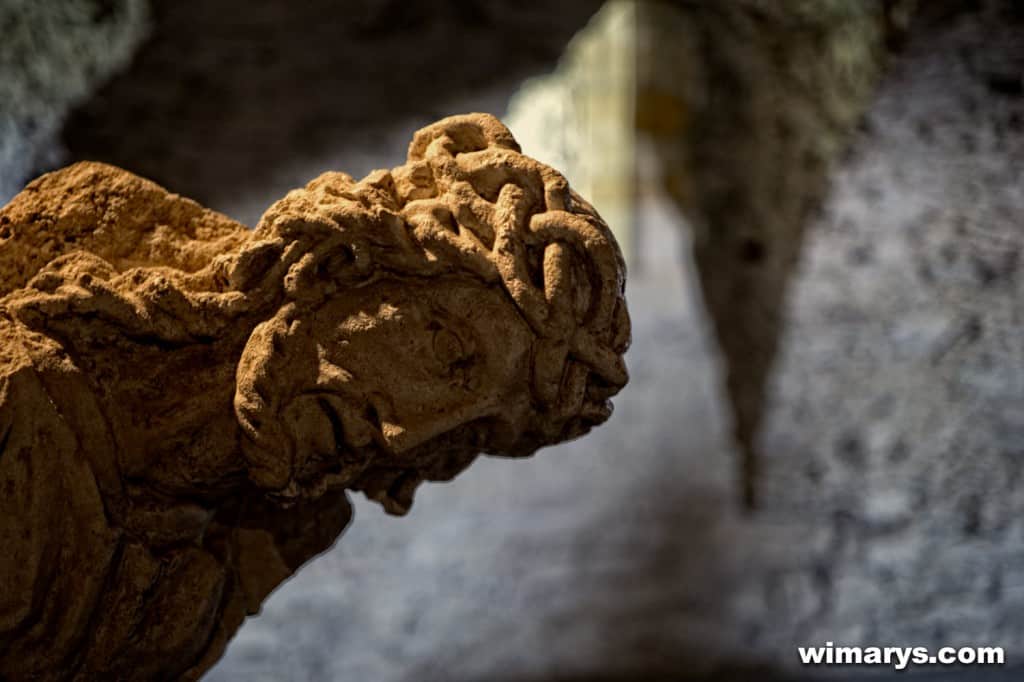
<point>184,402</point>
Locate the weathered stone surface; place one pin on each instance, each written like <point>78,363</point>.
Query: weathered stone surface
<point>183,403</point>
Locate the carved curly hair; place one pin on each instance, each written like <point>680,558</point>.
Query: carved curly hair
<point>466,201</point>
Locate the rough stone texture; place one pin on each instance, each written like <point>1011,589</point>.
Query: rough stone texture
<point>53,55</point>
<point>183,403</point>
<point>749,102</point>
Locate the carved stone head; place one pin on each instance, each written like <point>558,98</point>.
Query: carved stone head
<point>464,302</point>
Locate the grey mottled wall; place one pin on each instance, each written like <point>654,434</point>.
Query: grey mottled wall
<point>53,54</point>
<point>897,424</point>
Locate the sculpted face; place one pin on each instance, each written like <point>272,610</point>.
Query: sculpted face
<point>467,302</point>
<point>399,364</point>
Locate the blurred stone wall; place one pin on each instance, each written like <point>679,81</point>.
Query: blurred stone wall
<point>580,118</point>
<point>234,103</point>
<point>896,428</point>
<point>747,104</point>
<point>53,54</point>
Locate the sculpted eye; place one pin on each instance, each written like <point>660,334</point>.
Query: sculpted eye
<point>448,348</point>
<point>453,353</point>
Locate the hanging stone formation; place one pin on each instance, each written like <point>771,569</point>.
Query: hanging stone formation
<point>748,105</point>
<point>185,402</point>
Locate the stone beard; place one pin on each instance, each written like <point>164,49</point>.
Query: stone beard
<point>185,402</point>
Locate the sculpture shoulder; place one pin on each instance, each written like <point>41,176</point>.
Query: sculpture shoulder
<point>122,218</point>
<point>58,543</point>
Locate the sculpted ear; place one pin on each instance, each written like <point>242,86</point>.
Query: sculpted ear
<point>260,386</point>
